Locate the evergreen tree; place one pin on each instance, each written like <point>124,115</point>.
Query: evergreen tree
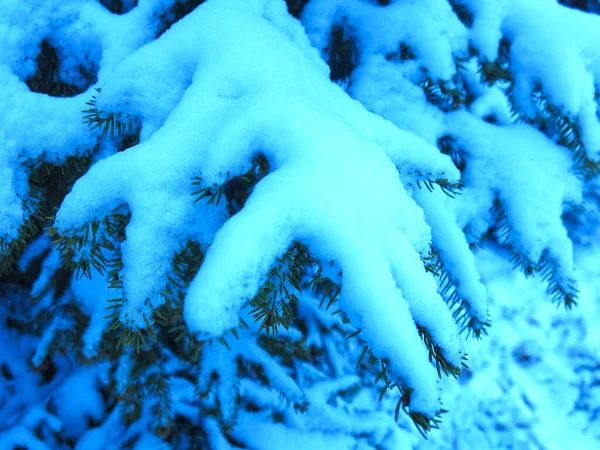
<point>253,223</point>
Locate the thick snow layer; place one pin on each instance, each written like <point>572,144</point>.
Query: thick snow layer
<point>381,30</point>
<point>380,82</point>
<point>386,88</point>
<point>552,47</point>
<point>36,127</point>
<point>450,241</point>
<point>236,79</point>
<point>505,161</point>
<point>333,185</point>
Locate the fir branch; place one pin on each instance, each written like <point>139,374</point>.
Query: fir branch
<point>424,180</point>
<point>48,184</point>
<point>117,6</point>
<point>11,250</point>
<point>237,190</point>
<point>559,290</point>
<point>289,351</point>
<point>404,53</point>
<point>46,79</point>
<point>99,239</point>
<point>323,287</point>
<point>118,124</point>
<point>273,305</point>
<point>462,12</point>
<point>436,354</point>
<point>571,207</point>
<point>448,146</point>
<point>139,383</point>
<point>213,193</point>
<point>443,94</point>
<point>162,414</point>
<point>88,245</point>
<point>423,423</point>
<point>518,258</point>
<point>138,338</point>
<point>558,125</point>
<point>461,309</point>
<point>555,122</point>
<point>497,71</point>
<point>177,11</point>
<point>186,264</point>
<point>341,53</point>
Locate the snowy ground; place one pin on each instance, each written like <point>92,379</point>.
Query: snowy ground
<point>530,379</point>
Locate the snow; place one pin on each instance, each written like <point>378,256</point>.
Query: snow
<point>560,55</point>
<point>504,160</point>
<point>34,251</point>
<point>308,129</point>
<point>93,294</point>
<point>234,80</point>
<point>380,30</point>
<point>379,82</point>
<point>385,88</point>
<point>531,399</point>
<point>454,250</point>
<point>79,393</point>
<point>29,133</point>
<point>253,431</point>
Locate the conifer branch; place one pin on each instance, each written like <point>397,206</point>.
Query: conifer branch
<point>462,12</point>
<point>461,309</point>
<point>443,94</point>
<point>497,71</point>
<point>323,287</point>
<point>159,388</point>
<point>550,119</point>
<point>436,354</point>
<point>274,303</point>
<point>48,183</point>
<point>560,290</point>
<point>555,122</point>
<point>404,53</point>
<point>424,180</point>
<point>237,190</point>
<point>422,422</point>
<point>88,245</point>
<point>448,146</point>
<point>118,124</point>
<point>46,79</point>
